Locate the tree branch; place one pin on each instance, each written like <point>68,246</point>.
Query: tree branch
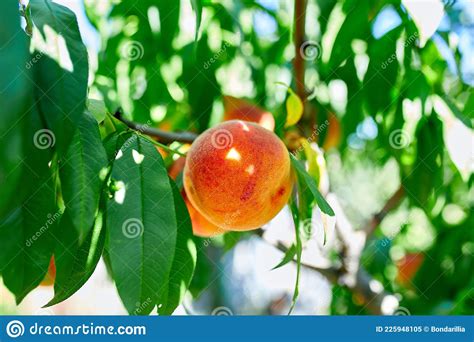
<point>392,203</point>
<point>351,274</point>
<point>160,135</point>
<point>298,38</point>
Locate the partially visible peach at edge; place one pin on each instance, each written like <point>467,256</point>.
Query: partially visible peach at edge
<point>239,109</point>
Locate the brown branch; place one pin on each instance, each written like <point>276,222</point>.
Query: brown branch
<point>392,203</point>
<point>298,39</point>
<point>160,135</point>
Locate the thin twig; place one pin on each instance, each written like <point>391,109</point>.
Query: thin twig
<point>160,135</point>
<point>332,273</point>
<point>392,203</point>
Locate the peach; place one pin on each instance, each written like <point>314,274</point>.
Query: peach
<point>201,226</point>
<point>238,109</point>
<point>238,175</point>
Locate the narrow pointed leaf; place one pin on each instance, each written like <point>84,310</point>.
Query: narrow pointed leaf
<point>141,225</point>
<point>184,261</point>
<point>308,181</point>
<point>289,256</point>
<point>15,89</point>
<point>27,244</point>
<point>60,69</point>
<point>75,262</point>
<point>81,174</point>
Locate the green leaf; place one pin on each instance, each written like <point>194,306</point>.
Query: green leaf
<point>289,256</point>
<point>81,174</point>
<point>15,93</point>
<point>232,238</point>
<point>350,21</point>
<point>468,112</point>
<point>142,228</point>
<point>309,182</point>
<point>27,243</point>
<point>184,261</point>
<point>425,176</point>
<point>75,262</point>
<point>199,79</point>
<point>294,108</point>
<point>197,7</point>
<point>203,274</point>
<point>113,143</point>
<point>169,23</point>
<point>382,72</point>
<point>60,69</point>
<point>98,109</point>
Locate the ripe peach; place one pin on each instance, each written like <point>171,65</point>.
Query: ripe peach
<point>201,226</point>
<point>238,175</point>
<point>238,109</point>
